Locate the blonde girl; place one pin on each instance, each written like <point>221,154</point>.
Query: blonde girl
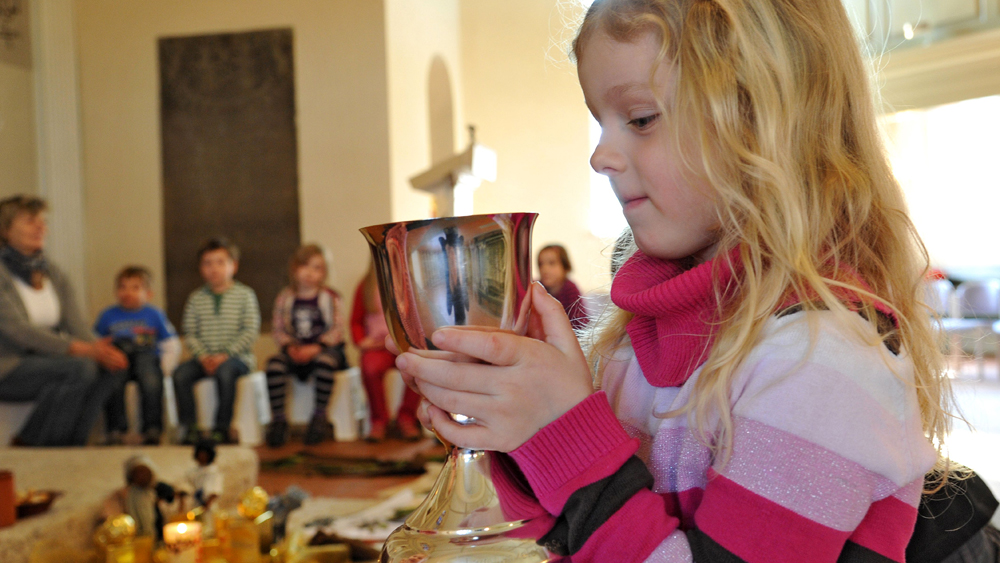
<point>767,386</point>
<point>308,328</point>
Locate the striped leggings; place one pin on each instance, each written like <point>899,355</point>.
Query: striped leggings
<point>321,368</point>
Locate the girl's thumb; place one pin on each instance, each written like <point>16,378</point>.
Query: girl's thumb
<point>549,321</point>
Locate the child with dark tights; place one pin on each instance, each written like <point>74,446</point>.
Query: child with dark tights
<point>308,327</point>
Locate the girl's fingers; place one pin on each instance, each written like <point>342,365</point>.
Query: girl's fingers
<point>502,348</point>
<point>390,345</point>
<point>423,414</point>
<point>410,382</point>
<point>471,436</point>
<point>444,355</point>
<point>464,377</point>
<point>493,347</point>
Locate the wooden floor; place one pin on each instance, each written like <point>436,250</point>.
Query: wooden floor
<point>343,487</point>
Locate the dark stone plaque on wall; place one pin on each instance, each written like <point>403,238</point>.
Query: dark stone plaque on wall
<point>229,157</point>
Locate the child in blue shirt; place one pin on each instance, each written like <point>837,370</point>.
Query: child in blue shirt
<point>137,329</point>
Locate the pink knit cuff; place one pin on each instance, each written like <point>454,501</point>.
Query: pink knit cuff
<point>581,447</point>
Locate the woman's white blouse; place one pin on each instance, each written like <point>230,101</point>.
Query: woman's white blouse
<point>42,304</point>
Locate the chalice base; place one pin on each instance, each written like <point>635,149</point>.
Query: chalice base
<point>461,521</point>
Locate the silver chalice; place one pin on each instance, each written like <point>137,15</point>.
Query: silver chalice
<point>456,271</point>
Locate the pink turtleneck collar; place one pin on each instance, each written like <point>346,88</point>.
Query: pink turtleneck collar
<point>675,314</point>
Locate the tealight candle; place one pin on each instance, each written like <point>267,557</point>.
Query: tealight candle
<point>183,541</point>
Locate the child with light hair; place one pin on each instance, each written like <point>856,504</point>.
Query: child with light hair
<point>308,327</point>
<point>767,385</point>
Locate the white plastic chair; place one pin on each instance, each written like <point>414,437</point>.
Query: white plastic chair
<point>347,409</point>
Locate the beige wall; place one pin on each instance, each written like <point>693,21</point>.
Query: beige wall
<point>340,73</point>
<point>416,33</point>
<point>522,95</point>
<point>18,162</point>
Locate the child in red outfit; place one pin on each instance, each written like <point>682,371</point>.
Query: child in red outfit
<point>369,331</point>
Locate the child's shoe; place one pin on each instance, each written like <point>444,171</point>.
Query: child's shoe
<point>189,436</point>
<point>316,432</point>
<point>277,433</point>
<point>230,436</point>
<point>377,433</point>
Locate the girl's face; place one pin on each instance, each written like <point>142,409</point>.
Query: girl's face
<point>670,209</point>
<point>311,274</point>
<point>550,268</point>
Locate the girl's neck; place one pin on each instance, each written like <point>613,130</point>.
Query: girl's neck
<point>306,292</point>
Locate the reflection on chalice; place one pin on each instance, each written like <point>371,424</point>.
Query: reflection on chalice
<point>457,271</point>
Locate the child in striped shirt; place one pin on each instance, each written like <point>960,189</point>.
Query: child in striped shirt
<point>221,324</point>
<point>767,385</point>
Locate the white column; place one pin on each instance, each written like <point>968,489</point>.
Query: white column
<point>57,103</point>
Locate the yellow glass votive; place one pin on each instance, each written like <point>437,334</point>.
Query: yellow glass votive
<point>244,542</point>
<point>121,554</point>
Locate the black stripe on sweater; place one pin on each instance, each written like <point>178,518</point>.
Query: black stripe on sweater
<point>854,553</point>
<point>706,550</point>
<point>590,507</point>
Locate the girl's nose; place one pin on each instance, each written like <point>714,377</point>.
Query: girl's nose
<point>607,160</point>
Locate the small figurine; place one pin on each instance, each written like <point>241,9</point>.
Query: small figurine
<point>206,480</point>
<point>140,497</point>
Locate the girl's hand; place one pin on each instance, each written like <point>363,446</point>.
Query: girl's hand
<point>332,337</point>
<point>368,343</point>
<point>297,353</point>
<point>308,352</point>
<point>525,384</point>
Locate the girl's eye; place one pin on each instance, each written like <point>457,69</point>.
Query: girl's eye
<point>644,122</point>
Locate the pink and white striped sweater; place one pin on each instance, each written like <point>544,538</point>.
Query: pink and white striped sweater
<point>827,462</point>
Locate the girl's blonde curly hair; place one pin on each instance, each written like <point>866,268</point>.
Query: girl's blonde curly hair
<point>776,96</point>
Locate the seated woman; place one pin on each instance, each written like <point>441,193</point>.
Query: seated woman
<point>47,352</point>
